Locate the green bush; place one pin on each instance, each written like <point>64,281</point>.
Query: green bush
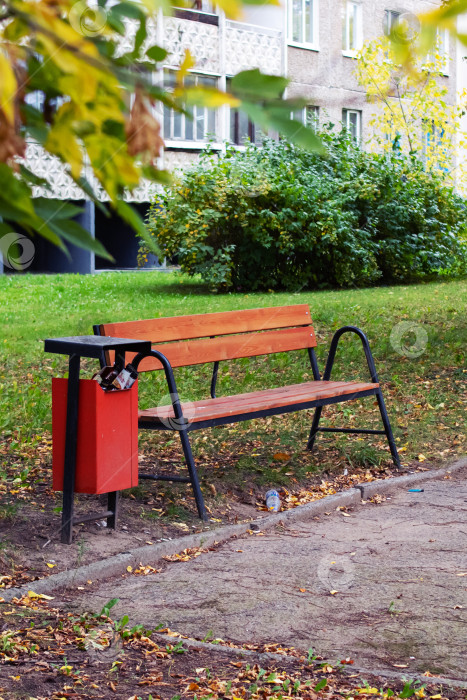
<point>278,217</point>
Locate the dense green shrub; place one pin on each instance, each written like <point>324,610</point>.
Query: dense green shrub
<point>278,217</point>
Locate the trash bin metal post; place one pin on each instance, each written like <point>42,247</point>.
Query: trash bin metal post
<point>71,443</point>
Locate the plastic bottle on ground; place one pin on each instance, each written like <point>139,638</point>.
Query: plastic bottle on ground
<point>273,501</point>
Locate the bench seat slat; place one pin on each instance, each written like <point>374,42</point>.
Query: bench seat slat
<point>197,352</point>
<point>163,330</point>
<point>210,409</point>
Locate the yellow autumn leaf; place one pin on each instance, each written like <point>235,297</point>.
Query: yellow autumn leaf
<point>129,569</point>
<point>51,566</point>
<point>79,90</point>
<point>421,458</point>
<point>8,88</point>
<point>187,63</point>
<point>42,596</point>
<point>207,97</point>
<point>63,143</point>
<point>46,16</point>
<point>368,691</point>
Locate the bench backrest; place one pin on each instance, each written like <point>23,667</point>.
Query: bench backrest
<point>202,338</point>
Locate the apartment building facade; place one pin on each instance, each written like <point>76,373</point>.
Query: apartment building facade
<point>323,37</point>
<point>313,42</point>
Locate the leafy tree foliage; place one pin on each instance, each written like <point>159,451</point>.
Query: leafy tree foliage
<point>279,217</point>
<point>93,67</point>
<point>413,110</point>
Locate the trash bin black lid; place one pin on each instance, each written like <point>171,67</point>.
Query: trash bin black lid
<point>93,345</point>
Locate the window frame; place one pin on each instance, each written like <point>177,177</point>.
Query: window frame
<point>236,139</point>
<point>308,116</point>
<point>442,36</point>
<point>346,113</point>
<point>302,43</point>
<point>169,115</point>
<point>390,18</point>
<point>346,48</point>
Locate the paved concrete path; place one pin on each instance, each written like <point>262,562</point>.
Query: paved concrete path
<point>401,600</point>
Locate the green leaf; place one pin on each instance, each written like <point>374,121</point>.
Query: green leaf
<point>163,177</point>
<point>319,686</point>
<point>15,193</point>
<point>140,36</point>
<point>31,178</point>
<point>116,23</point>
<point>55,209</point>
<point>86,186</point>
<point>128,9</point>
<point>4,229</point>
<point>157,53</point>
<point>132,218</point>
<point>407,691</point>
<point>74,233</point>
<point>279,119</point>
<point>259,85</point>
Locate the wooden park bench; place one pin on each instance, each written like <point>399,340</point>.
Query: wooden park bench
<point>182,341</point>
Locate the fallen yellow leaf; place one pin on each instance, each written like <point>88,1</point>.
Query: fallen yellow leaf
<point>42,596</point>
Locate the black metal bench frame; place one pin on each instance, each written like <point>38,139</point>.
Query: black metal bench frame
<point>185,426</point>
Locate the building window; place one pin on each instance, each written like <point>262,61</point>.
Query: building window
<point>303,22</point>
<point>391,20</point>
<point>180,127</point>
<point>242,129</point>
<point>441,49</point>
<point>309,116</point>
<point>352,121</point>
<point>352,26</point>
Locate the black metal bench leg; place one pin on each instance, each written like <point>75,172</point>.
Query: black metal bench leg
<point>388,430</point>
<point>314,427</point>
<point>193,475</point>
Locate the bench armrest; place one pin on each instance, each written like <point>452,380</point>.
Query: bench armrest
<point>366,348</point>
<point>169,375</point>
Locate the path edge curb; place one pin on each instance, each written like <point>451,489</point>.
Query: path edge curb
<point>151,554</point>
<point>271,656</point>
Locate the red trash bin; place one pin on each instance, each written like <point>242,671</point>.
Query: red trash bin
<point>107,453</point>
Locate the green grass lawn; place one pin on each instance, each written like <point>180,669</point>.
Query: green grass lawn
<point>425,394</point>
